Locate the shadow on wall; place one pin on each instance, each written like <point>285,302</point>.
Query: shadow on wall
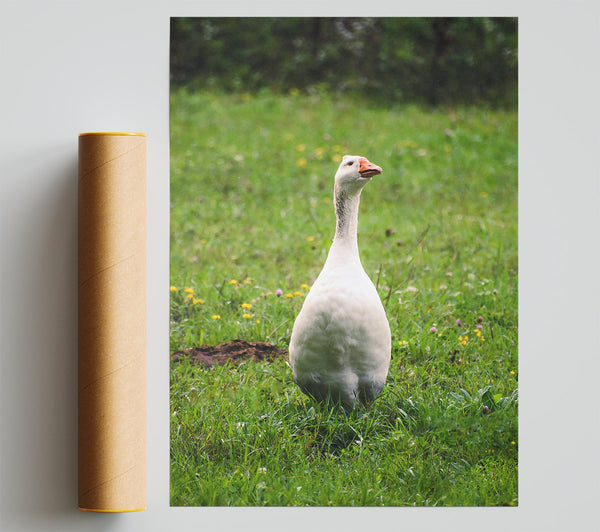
<point>38,379</point>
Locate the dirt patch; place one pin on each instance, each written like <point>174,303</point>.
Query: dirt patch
<point>235,351</point>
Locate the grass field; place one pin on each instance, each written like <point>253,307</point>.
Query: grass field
<point>251,223</point>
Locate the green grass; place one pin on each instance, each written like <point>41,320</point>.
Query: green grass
<point>251,188</point>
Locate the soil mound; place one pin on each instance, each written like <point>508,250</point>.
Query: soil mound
<point>236,351</point>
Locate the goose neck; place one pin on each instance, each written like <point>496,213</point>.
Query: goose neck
<point>346,214</point>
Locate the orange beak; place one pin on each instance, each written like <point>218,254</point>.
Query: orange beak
<point>368,169</point>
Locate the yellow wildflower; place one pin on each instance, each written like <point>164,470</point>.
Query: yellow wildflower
<point>297,293</point>
<point>301,147</point>
<point>301,162</point>
<point>289,295</point>
<point>216,317</point>
<point>257,321</point>
<point>189,290</point>
<point>190,296</point>
<point>305,287</point>
<point>173,289</point>
<point>246,316</point>
<point>246,305</point>
<point>233,281</point>
<point>247,281</point>
<point>310,238</point>
<point>196,301</point>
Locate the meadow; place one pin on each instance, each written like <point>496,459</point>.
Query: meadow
<point>251,223</point>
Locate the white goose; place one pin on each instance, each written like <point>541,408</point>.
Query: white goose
<point>341,344</point>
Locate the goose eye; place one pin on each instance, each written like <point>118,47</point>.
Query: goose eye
<point>350,163</point>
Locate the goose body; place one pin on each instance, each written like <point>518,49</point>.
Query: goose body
<point>341,343</point>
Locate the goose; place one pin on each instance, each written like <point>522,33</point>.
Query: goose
<point>340,345</point>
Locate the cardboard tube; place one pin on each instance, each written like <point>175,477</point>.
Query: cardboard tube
<point>112,322</point>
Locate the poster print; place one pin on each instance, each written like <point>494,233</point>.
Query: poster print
<point>263,113</point>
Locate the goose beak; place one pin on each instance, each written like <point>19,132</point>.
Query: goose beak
<point>368,169</point>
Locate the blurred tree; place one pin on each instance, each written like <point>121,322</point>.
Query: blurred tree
<point>432,60</point>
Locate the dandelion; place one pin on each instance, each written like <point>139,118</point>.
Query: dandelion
<point>257,321</point>
<point>247,280</point>
<point>216,317</point>
<point>173,289</point>
<point>513,442</point>
<point>279,292</point>
<point>189,290</point>
<point>289,295</point>
<point>190,296</point>
<point>403,343</point>
<point>297,293</point>
<point>196,301</point>
<point>310,238</point>
<point>304,286</point>
<point>512,372</point>
<point>233,282</point>
<point>301,162</point>
<point>301,147</point>
<point>246,316</point>
<point>246,305</point>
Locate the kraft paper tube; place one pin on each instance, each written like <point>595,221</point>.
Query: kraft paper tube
<point>112,322</point>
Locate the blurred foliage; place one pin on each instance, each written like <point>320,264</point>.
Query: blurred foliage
<point>426,60</point>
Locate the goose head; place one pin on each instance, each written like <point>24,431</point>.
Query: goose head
<point>354,173</point>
